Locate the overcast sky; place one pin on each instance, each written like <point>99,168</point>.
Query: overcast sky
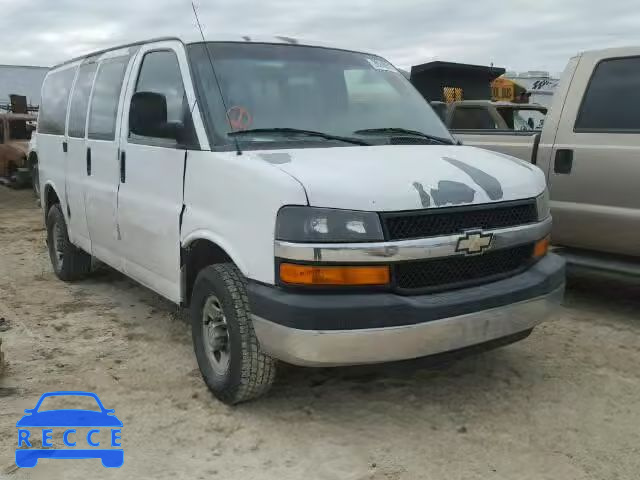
<point>518,35</point>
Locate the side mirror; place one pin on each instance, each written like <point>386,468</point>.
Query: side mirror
<point>148,117</point>
<point>28,410</point>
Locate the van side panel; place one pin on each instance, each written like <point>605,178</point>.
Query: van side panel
<point>150,192</point>
<point>76,171</point>
<point>102,154</point>
<point>224,193</point>
<point>52,129</point>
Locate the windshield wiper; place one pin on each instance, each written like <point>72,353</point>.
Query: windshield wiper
<point>403,131</point>
<point>297,131</point>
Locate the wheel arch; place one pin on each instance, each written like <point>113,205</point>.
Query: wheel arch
<point>32,158</point>
<point>49,197</point>
<point>200,250</point>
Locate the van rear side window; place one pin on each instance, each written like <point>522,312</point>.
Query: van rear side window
<point>611,102</point>
<point>106,96</point>
<point>80,100</point>
<point>55,97</point>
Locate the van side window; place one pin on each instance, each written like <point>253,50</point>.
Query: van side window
<point>160,81</point>
<point>53,106</point>
<point>106,96</point>
<point>472,118</point>
<point>80,100</point>
<point>611,101</point>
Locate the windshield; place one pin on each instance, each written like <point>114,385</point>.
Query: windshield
<point>336,92</point>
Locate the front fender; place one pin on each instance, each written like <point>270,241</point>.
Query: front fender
<point>233,201</point>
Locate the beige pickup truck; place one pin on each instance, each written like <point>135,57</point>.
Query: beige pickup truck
<point>589,149</point>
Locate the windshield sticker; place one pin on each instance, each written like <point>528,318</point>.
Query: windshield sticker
<point>381,64</point>
<point>239,118</point>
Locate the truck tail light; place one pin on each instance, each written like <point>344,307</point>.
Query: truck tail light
<point>334,275</point>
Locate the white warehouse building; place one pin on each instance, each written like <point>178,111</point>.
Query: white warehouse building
<point>21,80</point>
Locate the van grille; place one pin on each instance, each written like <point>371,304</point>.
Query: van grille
<point>461,271</point>
<point>453,220</point>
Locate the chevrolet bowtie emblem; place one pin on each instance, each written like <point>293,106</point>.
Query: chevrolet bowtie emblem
<point>474,242</point>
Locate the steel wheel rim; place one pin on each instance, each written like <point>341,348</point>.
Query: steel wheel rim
<point>215,332</point>
<point>58,242</point>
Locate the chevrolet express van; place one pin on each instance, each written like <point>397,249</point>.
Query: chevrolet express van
<point>306,204</point>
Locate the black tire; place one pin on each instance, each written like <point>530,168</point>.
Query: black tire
<point>69,262</point>
<point>238,370</point>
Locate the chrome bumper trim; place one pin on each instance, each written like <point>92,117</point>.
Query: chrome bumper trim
<point>352,347</point>
<point>398,251</point>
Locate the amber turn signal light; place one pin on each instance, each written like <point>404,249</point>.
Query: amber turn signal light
<point>541,248</point>
<point>331,275</point>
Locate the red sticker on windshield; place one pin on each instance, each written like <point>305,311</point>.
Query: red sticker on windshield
<point>239,118</point>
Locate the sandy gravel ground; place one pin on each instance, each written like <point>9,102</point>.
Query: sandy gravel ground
<point>563,404</point>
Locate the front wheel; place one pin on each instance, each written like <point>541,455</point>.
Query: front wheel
<point>233,365</point>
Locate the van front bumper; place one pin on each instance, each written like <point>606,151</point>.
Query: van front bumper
<point>316,329</point>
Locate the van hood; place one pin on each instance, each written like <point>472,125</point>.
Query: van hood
<point>407,177</point>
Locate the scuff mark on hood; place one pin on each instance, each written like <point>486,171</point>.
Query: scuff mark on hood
<point>424,196</point>
<point>276,158</point>
<point>488,183</point>
<point>453,193</point>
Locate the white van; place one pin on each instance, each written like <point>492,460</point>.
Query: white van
<point>305,202</point>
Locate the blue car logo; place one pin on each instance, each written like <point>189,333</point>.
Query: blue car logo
<point>66,419</point>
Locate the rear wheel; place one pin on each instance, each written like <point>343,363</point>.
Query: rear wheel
<point>233,365</point>
<point>69,262</point>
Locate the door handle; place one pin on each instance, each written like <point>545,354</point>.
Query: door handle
<point>123,167</point>
<point>563,162</point>
<point>65,146</point>
<point>88,161</point>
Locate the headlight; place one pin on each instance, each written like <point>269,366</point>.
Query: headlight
<point>327,225</point>
<point>543,205</point>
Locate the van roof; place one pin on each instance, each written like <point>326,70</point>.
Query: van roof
<point>196,38</point>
